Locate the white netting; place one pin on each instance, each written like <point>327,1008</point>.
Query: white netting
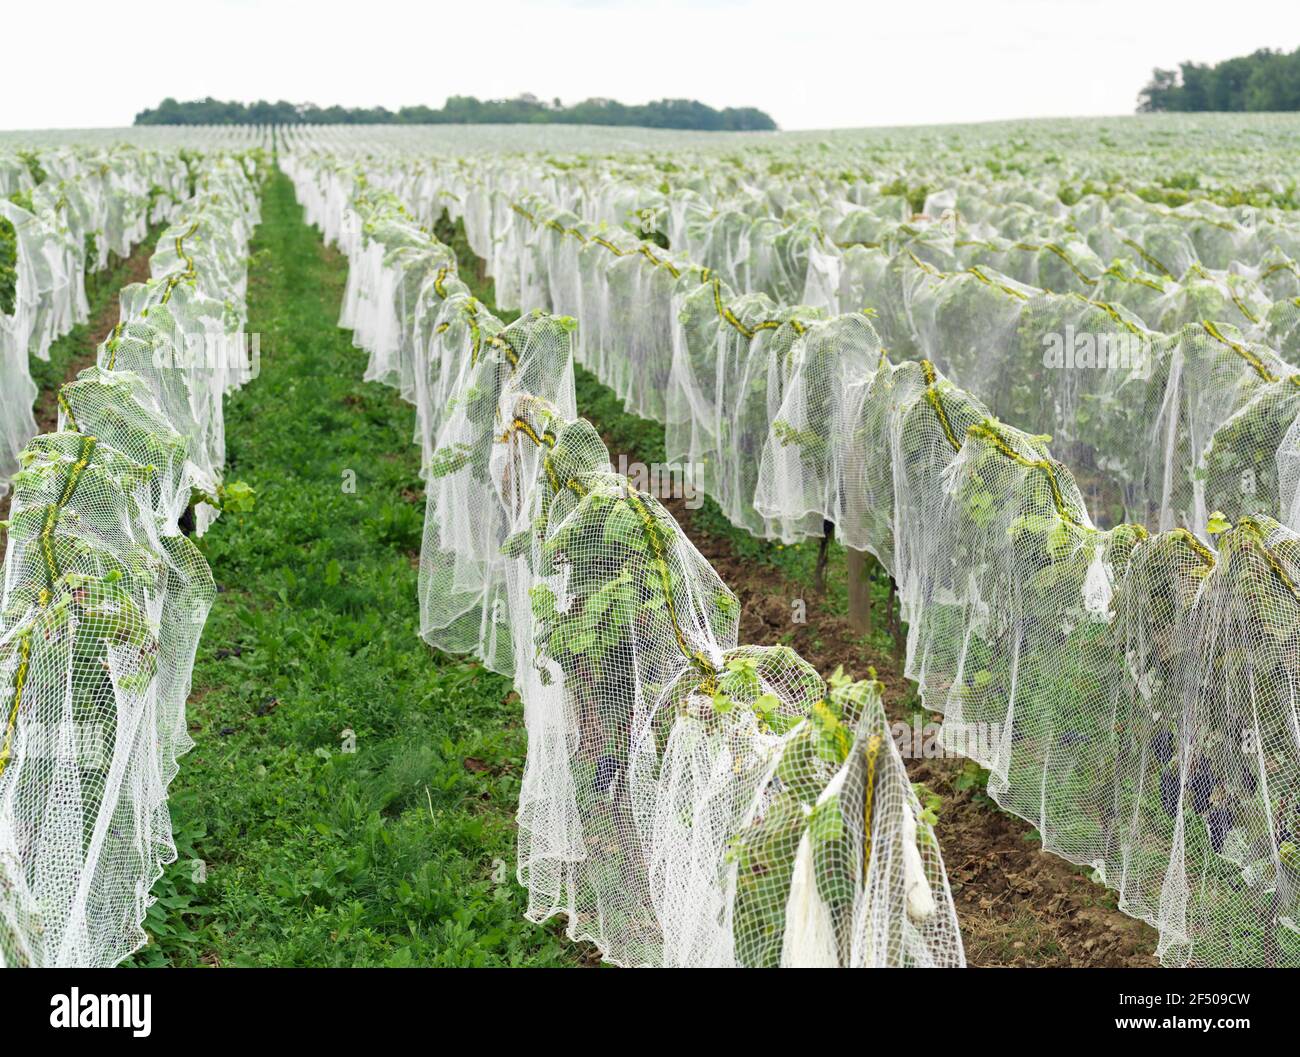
<point>685,801</point>
<point>1153,341</point>
<point>62,212</point>
<point>104,600</point>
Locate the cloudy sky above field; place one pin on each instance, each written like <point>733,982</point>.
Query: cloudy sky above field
<point>809,63</point>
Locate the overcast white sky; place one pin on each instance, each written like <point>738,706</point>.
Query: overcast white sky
<point>809,63</point>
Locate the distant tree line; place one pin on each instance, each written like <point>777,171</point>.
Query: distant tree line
<point>465,110</point>
<point>1266,80</point>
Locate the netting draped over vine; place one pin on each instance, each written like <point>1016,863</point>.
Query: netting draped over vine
<point>104,598</point>
<point>1165,323</point>
<point>62,212</point>
<point>686,800</point>
<point>1011,593</point>
<point>1203,397</point>
<point>1131,688</point>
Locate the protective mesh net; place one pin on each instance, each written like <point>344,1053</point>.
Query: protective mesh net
<point>1084,638</point>
<point>104,600</point>
<point>462,570</point>
<point>1109,378</point>
<point>685,801</point>
<point>54,232</point>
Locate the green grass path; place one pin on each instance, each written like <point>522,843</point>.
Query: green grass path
<point>402,851</point>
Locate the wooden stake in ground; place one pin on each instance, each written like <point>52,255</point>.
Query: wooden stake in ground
<point>895,621</point>
<point>859,569</point>
<point>823,556</point>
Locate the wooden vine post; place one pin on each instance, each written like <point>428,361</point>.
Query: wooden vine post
<point>859,582</point>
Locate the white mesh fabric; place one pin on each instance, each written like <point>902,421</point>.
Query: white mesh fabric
<point>102,606</point>
<point>710,809</point>
<point>1034,741</point>
<point>543,562</point>
<point>88,203</point>
<point>462,583</point>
